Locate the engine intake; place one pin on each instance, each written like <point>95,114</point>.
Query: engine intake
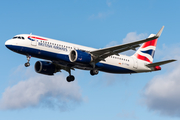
<point>44,67</point>
<point>80,56</point>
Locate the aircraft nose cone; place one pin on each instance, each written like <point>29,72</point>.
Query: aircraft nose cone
<point>7,43</point>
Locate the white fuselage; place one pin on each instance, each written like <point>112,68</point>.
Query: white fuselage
<point>55,50</point>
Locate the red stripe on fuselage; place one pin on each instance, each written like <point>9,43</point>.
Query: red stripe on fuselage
<point>143,58</point>
<point>150,43</point>
<point>37,38</point>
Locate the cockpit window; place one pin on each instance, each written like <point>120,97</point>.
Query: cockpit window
<point>14,37</point>
<point>18,37</point>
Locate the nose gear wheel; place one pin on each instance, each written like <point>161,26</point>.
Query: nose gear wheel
<point>28,59</point>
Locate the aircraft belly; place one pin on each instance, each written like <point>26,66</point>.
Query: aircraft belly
<point>115,69</point>
<point>64,57</point>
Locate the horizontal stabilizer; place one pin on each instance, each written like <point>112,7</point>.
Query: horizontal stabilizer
<point>159,63</point>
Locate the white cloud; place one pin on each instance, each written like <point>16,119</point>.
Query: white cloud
<point>109,3</point>
<point>42,91</point>
<point>113,43</point>
<point>127,115</point>
<point>168,52</point>
<point>109,79</point>
<point>133,36</point>
<point>130,37</point>
<point>162,93</point>
<point>100,15</point>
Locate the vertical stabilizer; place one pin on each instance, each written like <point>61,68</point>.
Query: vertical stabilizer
<point>147,50</point>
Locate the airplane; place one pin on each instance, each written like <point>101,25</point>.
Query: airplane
<point>60,55</point>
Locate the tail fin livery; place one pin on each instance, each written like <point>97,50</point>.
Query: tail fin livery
<point>147,50</point>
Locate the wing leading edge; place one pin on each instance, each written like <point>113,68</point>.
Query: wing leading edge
<point>101,54</point>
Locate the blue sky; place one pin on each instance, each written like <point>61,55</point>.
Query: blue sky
<point>25,94</point>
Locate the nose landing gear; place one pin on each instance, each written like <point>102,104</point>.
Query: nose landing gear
<point>28,59</point>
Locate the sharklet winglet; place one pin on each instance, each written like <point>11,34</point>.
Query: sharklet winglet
<point>160,31</point>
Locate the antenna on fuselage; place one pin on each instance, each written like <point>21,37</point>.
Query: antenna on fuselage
<point>30,35</point>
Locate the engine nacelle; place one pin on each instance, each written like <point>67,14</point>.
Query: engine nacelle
<point>80,56</point>
<point>44,67</point>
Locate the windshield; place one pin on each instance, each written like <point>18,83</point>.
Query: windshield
<point>18,37</point>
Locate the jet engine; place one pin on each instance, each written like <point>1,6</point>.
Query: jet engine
<point>45,67</point>
<point>80,56</point>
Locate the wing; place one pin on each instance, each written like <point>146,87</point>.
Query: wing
<point>101,54</point>
<point>159,63</point>
<point>62,66</point>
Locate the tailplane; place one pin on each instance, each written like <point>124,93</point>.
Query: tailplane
<point>160,63</point>
<point>156,65</point>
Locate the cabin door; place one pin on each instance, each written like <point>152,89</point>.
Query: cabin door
<point>135,64</point>
<point>34,42</point>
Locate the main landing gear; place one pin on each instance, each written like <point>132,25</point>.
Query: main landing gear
<point>94,72</point>
<point>28,59</point>
<point>70,78</point>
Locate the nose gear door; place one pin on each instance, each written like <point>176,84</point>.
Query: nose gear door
<point>33,40</point>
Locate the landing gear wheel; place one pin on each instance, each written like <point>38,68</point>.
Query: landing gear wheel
<point>94,72</point>
<point>70,78</point>
<point>27,64</point>
<point>28,59</point>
